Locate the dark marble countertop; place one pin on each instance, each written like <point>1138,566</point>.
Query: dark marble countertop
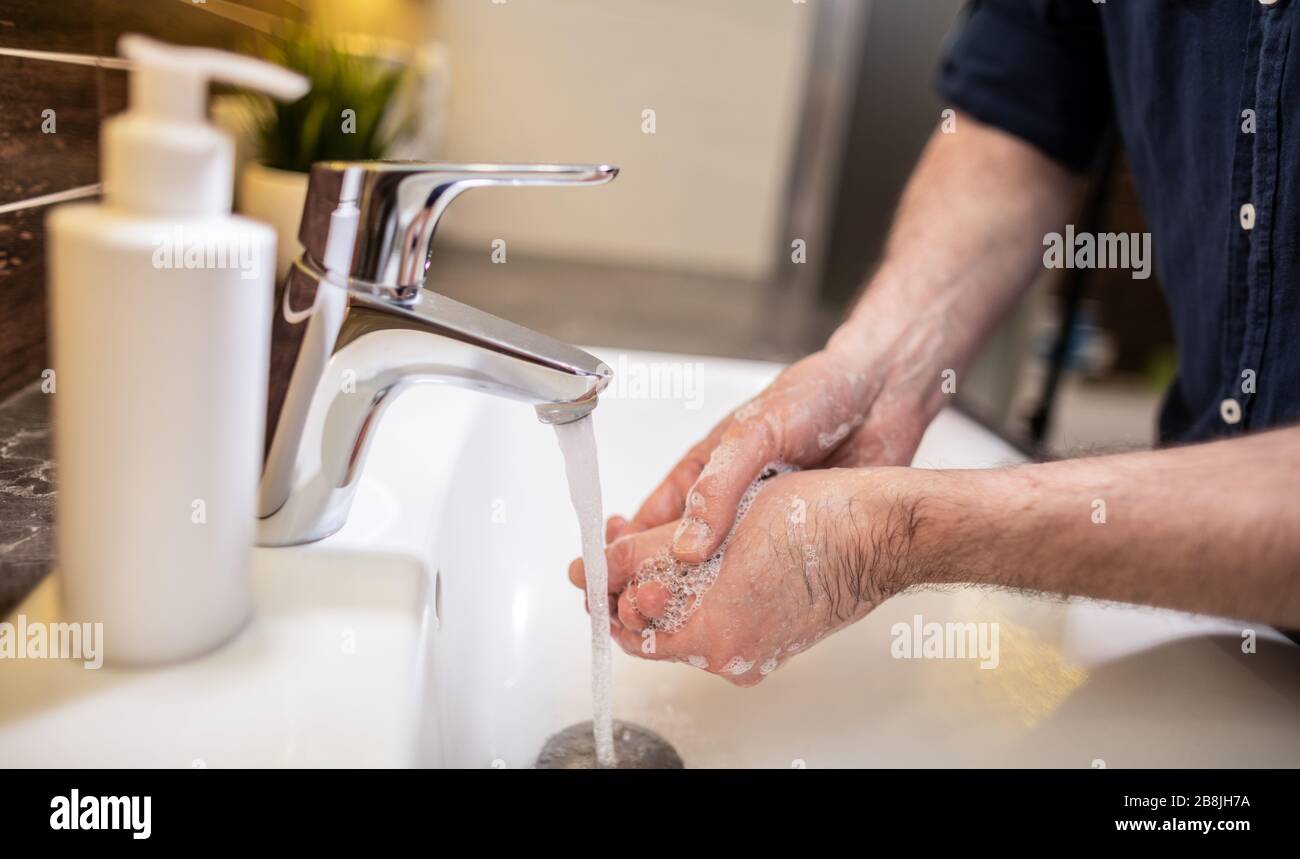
<point>26,495</point>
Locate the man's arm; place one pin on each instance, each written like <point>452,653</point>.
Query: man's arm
<point>966,242</point>
<point>1211,528</point>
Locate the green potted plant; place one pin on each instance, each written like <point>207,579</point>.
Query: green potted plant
<point>350,113</point>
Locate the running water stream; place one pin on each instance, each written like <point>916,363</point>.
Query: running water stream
<point>578,445</point>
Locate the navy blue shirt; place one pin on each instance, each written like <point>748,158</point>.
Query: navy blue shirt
<point>1206,98</point>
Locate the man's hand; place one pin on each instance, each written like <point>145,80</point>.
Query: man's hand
<point>816,551</point>
<point>831,409</point>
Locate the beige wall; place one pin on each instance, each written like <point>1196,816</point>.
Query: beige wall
<point>567,80</point>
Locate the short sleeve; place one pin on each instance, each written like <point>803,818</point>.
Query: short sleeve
<point>1035,69</point>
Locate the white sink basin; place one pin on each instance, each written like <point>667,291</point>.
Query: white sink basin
<point>438,628</point>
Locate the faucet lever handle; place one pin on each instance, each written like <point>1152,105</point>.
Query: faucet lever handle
<point>398,207</point>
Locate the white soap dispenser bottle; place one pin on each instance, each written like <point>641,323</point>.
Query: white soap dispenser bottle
<point>160,303</point>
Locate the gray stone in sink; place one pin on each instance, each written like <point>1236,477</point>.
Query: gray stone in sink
<point>637,748</point>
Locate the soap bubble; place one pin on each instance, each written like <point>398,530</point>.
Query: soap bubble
<point>686,584</point>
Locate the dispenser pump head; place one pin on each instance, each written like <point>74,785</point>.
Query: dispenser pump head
<point>162,156</point>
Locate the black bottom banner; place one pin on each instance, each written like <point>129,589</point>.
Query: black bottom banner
<point>336,808</point>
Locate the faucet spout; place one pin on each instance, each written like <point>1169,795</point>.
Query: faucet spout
<point>462,345</point>
<point>343,348</point>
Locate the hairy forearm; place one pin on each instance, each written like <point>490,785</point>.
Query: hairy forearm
<point>1211,528</point>
<point>966,241</point>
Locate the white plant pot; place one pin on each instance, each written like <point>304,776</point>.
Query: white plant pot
<point>275,197</point>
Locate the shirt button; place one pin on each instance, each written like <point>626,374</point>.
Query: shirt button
<point>1247,216</point>
<point>1230,411</point>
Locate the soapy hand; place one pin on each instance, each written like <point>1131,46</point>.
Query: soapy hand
<point>816,551</point>
<point>831,409</point>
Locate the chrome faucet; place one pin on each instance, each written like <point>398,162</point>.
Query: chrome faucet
<point>354,324</point>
